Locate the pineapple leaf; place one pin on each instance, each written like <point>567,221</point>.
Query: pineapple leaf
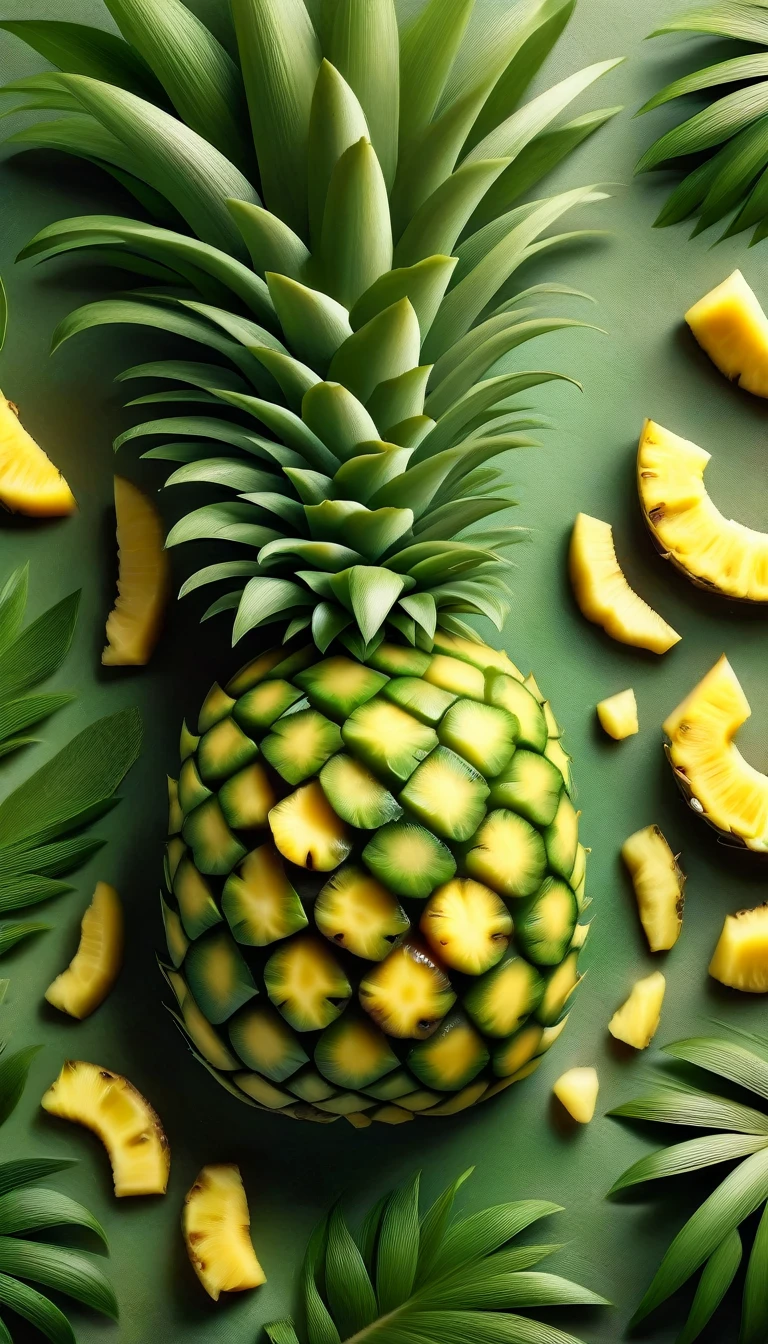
<point>29,889</point>
<point>40,1210</point>
<point>351,1298</point>
<point>356,240</point>
<point>25,1170</point>
<point>754,1319</point>
<point>263,598</point>
<point>13,602</point>
<point>428,48</point>
<point>398,1247</point>
<point>13,934</point>
<point>59,1268</point>
<point>690,1156</point>
<point>364,46</point>
<point>37,652</point>
<point>14,1070</point>
<point>79,49</point>
<point>716,1278</point>
<point>726,1059</point>
<point>37,1309</point>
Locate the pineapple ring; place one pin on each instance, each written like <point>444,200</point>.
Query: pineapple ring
<point>603,594</point>
<point>731,326</point>
<point>713,551</point>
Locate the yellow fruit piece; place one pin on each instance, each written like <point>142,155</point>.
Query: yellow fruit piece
<point>135,622</point>
<point>216,1226</point>
<point>731,326</point>
<point>577,1091</point>
<point>604,595</point>
<point>711,771</point>
<point>308,832</point>
<point>659,884</point>
<point>740,959</point>
<point>618,715</point>
<point>124,1121</point>
<point>637,1021</point>
<point>95,966</point>
<point>713,551</point>
<point>29,482</point>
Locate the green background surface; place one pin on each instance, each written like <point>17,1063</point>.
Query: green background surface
<point>647,364</point>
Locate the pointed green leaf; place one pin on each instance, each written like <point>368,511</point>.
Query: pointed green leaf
<point>281,1332</point>
<point>320,1326</point>
<point>13,601</point>
<point>290,427</point>
<point>364,47</point>
<point>689,1156</point>
<point>710,127</point>
<point>356,238</point>
<point>481,1233</point>
<point>16,715</point>
<point>34,1210</point>
<point>440,220</point>
<point>39,651</point>
<point>428,48</point>
<point>350,1295</point>
<point>754,66</point>
<point>336,122</point>
<point>265,597</point>
<point>726,1059</point>
<point>270,242</point>
<point>229,569</point>
<point>383,348</point>
<point>29,889</point>
<point>79,49</point>
<point>14,1070</point>
<point>398,1247</point>
<point>688,1106</point>
<point>38,1310</point>
<point>480,398</point>
<point>434,1227</point>
<point>13,934</point>
<point>314,324</point>
<point>327,622</point>
<point>230,473</point>
<point>754,1316</point>
<point>187,371</point>
<point>423,284</point>
<point>369,593</point>
<point>551,19</point>
<point>23,1171</point>
<point>56,1267</point>
<point>716,1278</point>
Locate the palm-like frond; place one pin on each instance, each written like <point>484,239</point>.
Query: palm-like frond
<point>409,1279</point>
<point>724,145</point>
<point>710,1241</point>
<point>349,275</point>
<point>26,1263</point>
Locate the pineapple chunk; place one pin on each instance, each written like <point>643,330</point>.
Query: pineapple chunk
<point>577,1091</point>
<point>215,1222</point>
<point>124,1121</point>
<point>729,323</point>
<point>603,594</point>
<point>719,784</point>
<point>659,884</point>
<point>711,550</point>
<point>29,482</point>
<point>637,1021</point>
<point>95,966</point>
<point>135,622</point>
<point>740,959</point>
<point>618,715</point>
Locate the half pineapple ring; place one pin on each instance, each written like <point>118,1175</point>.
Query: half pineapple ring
<point>374,880</point>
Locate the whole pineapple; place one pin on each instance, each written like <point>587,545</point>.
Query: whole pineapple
<point>374,875</point>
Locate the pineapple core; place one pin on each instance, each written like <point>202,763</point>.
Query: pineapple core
<point>637,1021</point>
<point>577,1091</point>
<point>135,622</point>
<point>603,594</point>
<point>29,482</point>
<point>216,1222</point>
<point>740,959</point>
<point>729,323</point>
<point>618,715</point>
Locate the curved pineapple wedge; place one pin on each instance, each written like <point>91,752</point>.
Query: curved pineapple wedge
<point>215,1222</point>
<point>603,594</point>
<point>715,552</point>
<point>729,323</point>
<point>95,966</point>
<point>718,783</point>
<point>135,622</point>
<point>29,482</point>
<point>740,959</point>
<point>125,1122</point>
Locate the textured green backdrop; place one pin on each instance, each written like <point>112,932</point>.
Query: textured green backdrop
<point>646,365</point>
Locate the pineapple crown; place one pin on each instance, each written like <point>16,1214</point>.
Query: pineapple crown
<point>350,266</point>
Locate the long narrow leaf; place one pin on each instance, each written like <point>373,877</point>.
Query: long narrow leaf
<point>689,1156</point>
<point>398,1247</point>
<point>754,1317</point>
<point>716,1278</point>
<point>79,49</point>
<point>35,1210</point>
<point>13,934</point>
<point>56,1267</point>
<point>14,1070</point>
<point>36,1309</point>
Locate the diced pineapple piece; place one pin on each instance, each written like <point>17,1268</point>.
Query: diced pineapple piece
<point>29,482</point>
<point>135,622</point>
<point>124,1121</point>
<point>729,323</point>
<point>740,959</point>
<point>577,1091</point>
<point>216,1222</point>
<point>95,966</point>
<point>604,595</point>
<point>637,1021</point>
<point>618,715</point>
<point>659,884</point>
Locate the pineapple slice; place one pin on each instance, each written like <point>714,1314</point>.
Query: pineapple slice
<point>618,715</point>
<point>124,1121</point>
<point>730,325</point>
<point>95,966</point>
<point>718,783</point>
<point>740,959</point>
<point>577,1091</point>
<point>637,1021</point>
<point>603,594</point>
<point>135,621</point>
<point>713,551</point>
<point>659,884</point>
<point>29,482</point>
<point>215,1222</point>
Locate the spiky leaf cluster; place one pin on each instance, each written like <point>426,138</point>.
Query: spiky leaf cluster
<point>406,1279</point>
<point>349,267</point>
<point>736,1133</point>
<point>723,145</point>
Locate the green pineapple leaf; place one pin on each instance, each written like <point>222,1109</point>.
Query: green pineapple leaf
<point>14,1070</point>
<point>78,49</point>
<point>3,313</point>
<point>406,1279</point>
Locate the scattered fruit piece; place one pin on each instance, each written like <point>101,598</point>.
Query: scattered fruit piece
<point>711,550</point>
<point>577,1091</point>
<point>29,482</point>
<point>716,780</point>
<point>603,594</point>
<point>124,1121</point>
<point>95,966</point>
<point>659,884</point>
<point>618,715</point>
<point>135,622</point>
<point>637,1021</point>
<point>215,1222</point>
<point>740,959</point>
<point>729,323</point>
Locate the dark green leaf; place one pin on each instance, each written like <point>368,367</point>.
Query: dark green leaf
<point>56,1267</point>
<point>709,127</point>
<point>754,1316</point>
<point>18,892</point>
<point>25,1170</point>
<point>482,1233</point>
<point>14,1070</point>
<point>320,1326</point>
<point>13,601</point>
<point>33,1210</point>
<point>398,1247</point>
<point>265,597</point>
<point>13,934</point>
<point>700,1110</point>
<point>36,1309</point>
<point>350,1296</point>
<point>281,1332</point>
<point>726,1059</point>
<point>689,1156</point>
<point>39,650</point>
<point>435,1225</point>
<point>716,1278</point>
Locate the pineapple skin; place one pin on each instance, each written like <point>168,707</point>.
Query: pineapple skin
<point>740,959</point>
<point>29,482</point>
<point>730,325</point>
<point>219,973</point>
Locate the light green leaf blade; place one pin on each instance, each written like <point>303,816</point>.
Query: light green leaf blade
<point>281,1332</point>
<point>716,1278</point>
<point>314,324</point>
<point>754,66</point>
<point>263,598</point>
<point>272,245</point>
<point>27,1210</point>
<point>336,122</point>
<point>383,348</point>
<point>700,1110</point>
<point>13,934</point>
<point>481,1233</point>
<point>726,1059</point>
<point>39,651</point>
<point>29,889</point>
<point>320,1326</point>
<point>710,127</point>
<point>744,21</point>
<point>689,1156</point>
<point>428,48</point>
<point>364,47</point>
<point>435,1225</point>
<point>13,601</point>
<point>754,1315</point>
<point>356,239</point>
<point>441,218</point>
<point>14,1070</point>
<point>480,1327</point>
<point>37,1309</point>
<point>398,1247</point>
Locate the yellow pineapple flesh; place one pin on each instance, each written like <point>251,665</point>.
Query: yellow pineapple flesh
<point>618,715</point>
<point>603,594</point>
<point>29,482</point>
<point>95,966</point>
<point>216,1226</point>
<point>740,959</point>
<point>729,323</point>
<point>659,884</point>
<point>135,623</point>
<point>637,1021</point>
<point>577,1090</point>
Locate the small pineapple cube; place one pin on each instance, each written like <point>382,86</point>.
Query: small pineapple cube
<point>740,959</point>
<point>618,715</point>
<point>637,1021</point>
<point>730,324</point>
<point>577,1091</point>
